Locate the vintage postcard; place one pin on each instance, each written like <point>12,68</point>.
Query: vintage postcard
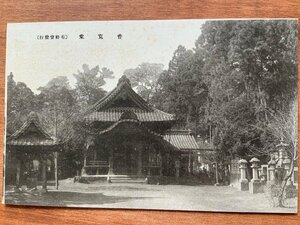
<point>194,115</point>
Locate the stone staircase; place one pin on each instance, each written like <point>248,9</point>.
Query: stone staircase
<point>127,179</point>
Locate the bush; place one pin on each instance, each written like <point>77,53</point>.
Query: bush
<point>272,192</point>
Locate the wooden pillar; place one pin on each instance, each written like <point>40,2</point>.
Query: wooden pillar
<point>177,168</point>
<point>56,169</point>
<point>217,174</point>
<point>84,160</point>
<point>18,174</point>
<point>44,174</point>
<point>95,159</point>
<point>140,163</point>
<point>161,164</point>
<point>83,170</point>
<point>111,163</point>
<point>149,162</point>
<point>189,165</point>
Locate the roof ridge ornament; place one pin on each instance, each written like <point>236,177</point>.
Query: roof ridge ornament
<point>33,116</point>
<point>124,79</point>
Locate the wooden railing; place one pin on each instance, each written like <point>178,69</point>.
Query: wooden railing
<point>97,164</point>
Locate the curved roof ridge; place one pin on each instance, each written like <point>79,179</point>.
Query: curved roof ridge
<point>123,85</point>
<point>131,121</point>
<point>32,118</point>
<point>162,112</point>
<point>178,131</point>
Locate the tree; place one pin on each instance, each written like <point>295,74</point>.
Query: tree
<point>249,71</point>
<point>285,126</point>
<point>106,73</point>
<point>89,83</point>
<point>20,102</point>
<point>180,89</point>
<point>58,107</point>
<point>144,78</point>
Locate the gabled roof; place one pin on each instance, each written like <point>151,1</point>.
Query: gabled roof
<point>124,86</point>
<point>31,133</point>
<point>181,139</point>
<point>109,109</point>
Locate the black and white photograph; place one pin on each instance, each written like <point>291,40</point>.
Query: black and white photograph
<point>190,115</point>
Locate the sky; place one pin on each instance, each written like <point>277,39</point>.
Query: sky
<point>35,62</point>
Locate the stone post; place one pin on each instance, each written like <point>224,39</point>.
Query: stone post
<point>271,171</point>
<point>255,184</point>
<point>244,184</point>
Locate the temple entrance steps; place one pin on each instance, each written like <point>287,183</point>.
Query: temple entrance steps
<point>127,179</point>
<point>110,178</point>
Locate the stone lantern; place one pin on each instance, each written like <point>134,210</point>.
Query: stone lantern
<point>271,171</point>
<point>255,184</point>
<point>281,153</point>
<point>244,184</point>
<point>254,167</point>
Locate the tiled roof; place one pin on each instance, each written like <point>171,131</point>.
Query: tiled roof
<point>30,142</point>
<point>114,114</point>
<point>31,133</point>
<point>105,110</point>
<point>182,140</point>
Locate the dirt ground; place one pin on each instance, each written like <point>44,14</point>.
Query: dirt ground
<point>143,196</point>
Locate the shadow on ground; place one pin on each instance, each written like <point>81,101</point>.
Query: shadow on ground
<point>64,198</point>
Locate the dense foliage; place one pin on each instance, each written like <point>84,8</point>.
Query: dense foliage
<point>239,75</point>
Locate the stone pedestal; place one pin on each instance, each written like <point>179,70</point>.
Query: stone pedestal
<point>255,186</point>
<point>244,185</point>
